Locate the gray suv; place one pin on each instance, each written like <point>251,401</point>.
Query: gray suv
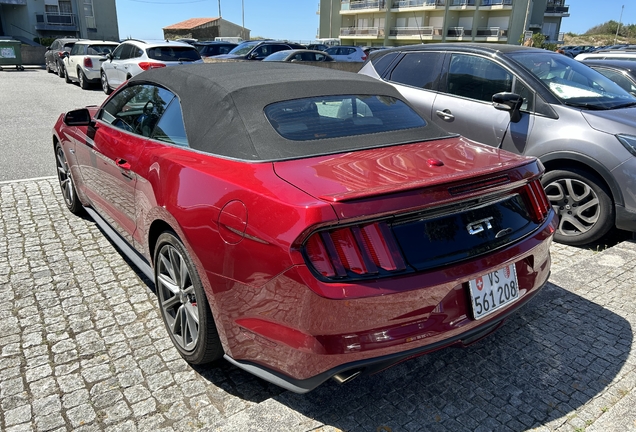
<point>581,125</point>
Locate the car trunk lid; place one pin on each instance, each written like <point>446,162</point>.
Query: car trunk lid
<point>442,201</point>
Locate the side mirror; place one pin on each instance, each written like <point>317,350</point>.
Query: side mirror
<point>510,102</point>
<point>252,56</point>
<point>78,117</point>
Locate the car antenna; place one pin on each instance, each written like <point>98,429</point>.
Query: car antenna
<point>419,30</point>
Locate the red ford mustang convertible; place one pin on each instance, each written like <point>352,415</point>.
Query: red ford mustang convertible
<point>305,223</point>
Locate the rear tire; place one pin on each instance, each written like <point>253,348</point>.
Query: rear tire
<point>83,83</point>
<point>183,304</point>
<point>582,202</point>
<point>67,79</point>
<point>60,70</point>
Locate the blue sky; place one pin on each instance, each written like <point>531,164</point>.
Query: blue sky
<point>297,20</point>
<point>585,14</point>
<point>280,19</point>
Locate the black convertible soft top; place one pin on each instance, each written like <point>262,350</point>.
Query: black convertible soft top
<point>223,107</point>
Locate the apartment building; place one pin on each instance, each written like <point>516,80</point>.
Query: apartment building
<point>405,22</point>
<point>88,19</point>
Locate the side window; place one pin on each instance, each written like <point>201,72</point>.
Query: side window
<point>263,51</point>
<point>276,48</point>
<point>136,52</point>
<point>126,52</point>
<point>137,108</point>
<point>417,69</point>
<point>118,51</point>
<point>170,127</point>
<point>527,94</point>
<point>76,49</point>
<point>477,77</point>
<point>619,79</point>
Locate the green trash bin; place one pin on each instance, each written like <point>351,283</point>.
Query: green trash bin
<point>11,53</point>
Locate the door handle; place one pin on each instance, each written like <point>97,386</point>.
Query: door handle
<point>445,114</point>
<point>123,164</point>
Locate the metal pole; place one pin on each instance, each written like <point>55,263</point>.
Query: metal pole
<point>219,8</point>
<point>619,24</point>
<point>243,13</point>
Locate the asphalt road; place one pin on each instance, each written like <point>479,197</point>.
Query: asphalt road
<point>30,103</point>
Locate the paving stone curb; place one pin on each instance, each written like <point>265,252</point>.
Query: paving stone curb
<point>83,348</point>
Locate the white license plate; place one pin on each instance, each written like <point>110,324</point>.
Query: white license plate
<point>493,291</point>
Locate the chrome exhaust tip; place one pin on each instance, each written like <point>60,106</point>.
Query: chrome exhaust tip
<point>346,376</point>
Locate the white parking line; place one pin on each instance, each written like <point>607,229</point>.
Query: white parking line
<point>27,180</point>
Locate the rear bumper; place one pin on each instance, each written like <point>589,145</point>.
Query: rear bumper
<point>348,371</point>
<point>287,334</point>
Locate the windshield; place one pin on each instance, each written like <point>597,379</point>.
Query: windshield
<point>572,82</point>
<point>244,48</point>
<point>277,56</point>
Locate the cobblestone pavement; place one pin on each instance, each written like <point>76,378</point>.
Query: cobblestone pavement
<point>83,348</point>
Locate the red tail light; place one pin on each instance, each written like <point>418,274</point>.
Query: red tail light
<point>61,54</point>
<point>88,63</point>
<point>150,65</point>
<point>364,250</point>
<point>364,58</point>
<point>538,200</point>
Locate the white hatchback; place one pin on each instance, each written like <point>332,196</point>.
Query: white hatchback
<point>83,63</point>
<point>134,56</point>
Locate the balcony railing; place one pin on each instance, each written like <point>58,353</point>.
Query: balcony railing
<point>361,31</point>
<point>458,32</point>
<point>13,2</point>
<point>55,19</point>
<point>398,4</point>
<point>557,9</point>
<point>491,32</point>
<point>462,3</point>
<point>496,2</point>
<point>416,31</point>
<point>362,4</point>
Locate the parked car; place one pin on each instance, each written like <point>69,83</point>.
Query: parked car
<point>213,48</point>
<point>258,50</point>
<point>622,72</point>
<point>330,232</point>
<point>83,63</point>
<point>345,53</point>
<point>134,56</point>
<point>578,122</point>
<point>578,49</point>
<point>54,55</point>
<point>299,55</point>
<point>619,54</point>
<point>318,47</point>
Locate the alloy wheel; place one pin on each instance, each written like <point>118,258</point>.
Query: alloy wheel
<point>177,297</point>
<point>64,176</point>
<point>576,203</point>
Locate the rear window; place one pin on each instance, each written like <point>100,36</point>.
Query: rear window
<point>173,53</point>
<point>100,49</point>
<point>340,116</point>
